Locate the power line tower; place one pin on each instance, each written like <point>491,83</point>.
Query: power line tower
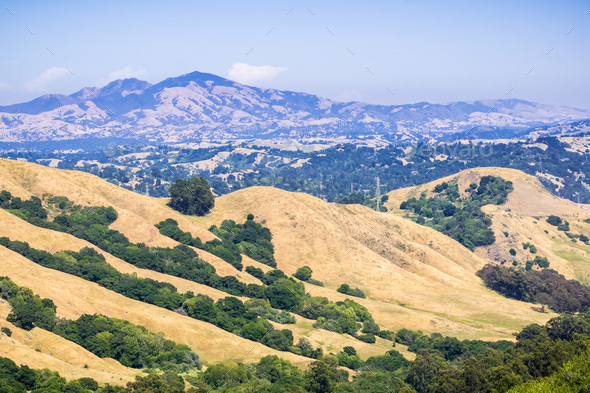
<point>378,193</point>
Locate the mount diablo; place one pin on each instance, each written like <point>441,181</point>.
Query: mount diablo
<point>200,106</point>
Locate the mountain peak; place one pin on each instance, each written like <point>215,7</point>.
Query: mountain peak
<point>200,78</point>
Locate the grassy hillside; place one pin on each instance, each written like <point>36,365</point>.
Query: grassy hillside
<point>41,349</point>
<point>414,277</point>
<point>522,219</point>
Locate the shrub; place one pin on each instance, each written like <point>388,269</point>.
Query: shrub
<point>541,262</point>
<point>554,220</point>
<point>303,273</point>
<point>565,226</point>
<point>285,294</point>
<point>390,361</point>
<point>6,331</point>
<point>347,290</point>
<point>278,339</point>
<point>406,336</point>
<point>532,249</point>
<point>387,335</point>
<point>370,327</point>
<point>368,338</point>
<point>255,271</point>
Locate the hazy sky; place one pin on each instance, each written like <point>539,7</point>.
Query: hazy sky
<point>389,52</point>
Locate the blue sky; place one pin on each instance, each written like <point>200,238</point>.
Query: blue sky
<point>387,52</point>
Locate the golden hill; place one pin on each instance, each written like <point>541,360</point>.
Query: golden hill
<point>41,349</point>
<point>414,277</point>
<point>523,219</point>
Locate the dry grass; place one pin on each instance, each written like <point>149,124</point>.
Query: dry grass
<point>414,277</point>
<point>523,217</point>
<point>212,344</point>
<point>411,284</point>
<point>39,349</point>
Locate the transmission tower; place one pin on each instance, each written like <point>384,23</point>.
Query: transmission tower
<point>378,193</point>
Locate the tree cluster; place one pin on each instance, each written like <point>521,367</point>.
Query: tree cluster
<point>461,218</point>
<point>544,286</point>
<point>92,224</point>
<point>340,317</point>
<point>304,274</point>
<point>250,238</point>
<point>132,345</point>
<point>224,249</point>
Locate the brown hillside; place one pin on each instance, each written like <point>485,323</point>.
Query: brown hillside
<point>212,344</point>
<point>414,277</point>
<point>523,218</point>
<point>412,284</point>
<point>42,349</point>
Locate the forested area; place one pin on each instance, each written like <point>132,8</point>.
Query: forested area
<point>543,286</point>
<point>441,363</point>
<point>331,173</point>
<point>22,379</point>
<point>228,313</point>
<point>461,218</point>
<point>278,292</point>
<point>541,356</point>
<point>92,224</point>
<point>347,290</point>
<point>250,238</point>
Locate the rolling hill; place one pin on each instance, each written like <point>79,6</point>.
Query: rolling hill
<point>522,219</point>
<point>414,277</point>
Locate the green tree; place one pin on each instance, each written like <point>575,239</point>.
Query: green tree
<point>554,220</point>
<point>285,294</point>
<point>201,307</point>
<point>273,369</point>
<point>303,273</point>
<point>320,378</point>
<point>219,375</point>
<point>192,197</point>
<point>424,370</point>
<point>154,383</point>
<point>254,331</point>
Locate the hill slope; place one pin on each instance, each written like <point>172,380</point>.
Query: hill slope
<point>414,277</point>
<point>522,219</point>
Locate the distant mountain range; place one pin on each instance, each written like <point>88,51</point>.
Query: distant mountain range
<point>200,106</point>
